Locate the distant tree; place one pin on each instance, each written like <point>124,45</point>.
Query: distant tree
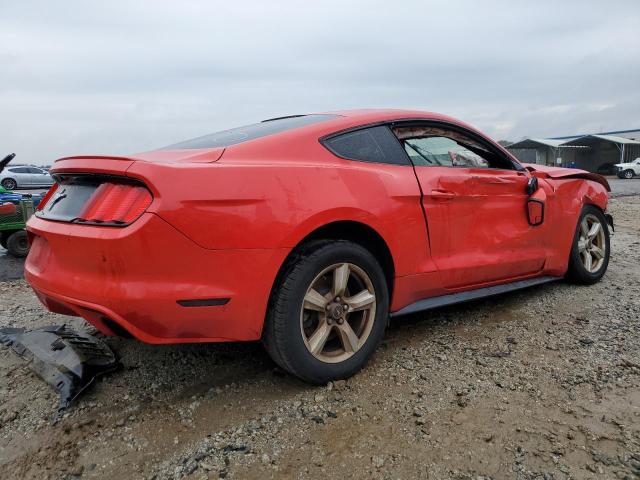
<point>505,143</point>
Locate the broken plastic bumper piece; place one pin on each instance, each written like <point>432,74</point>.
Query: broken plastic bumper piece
<point>67,360</point>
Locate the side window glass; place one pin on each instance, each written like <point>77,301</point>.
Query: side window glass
<point>18,170</point>
<point>374,144</point>
<point>439,146</point>
<point>35,170</point>
<point>442,151</point>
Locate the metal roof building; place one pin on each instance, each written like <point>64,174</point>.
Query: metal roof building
<point>596,152</point>
<point>542,151</point>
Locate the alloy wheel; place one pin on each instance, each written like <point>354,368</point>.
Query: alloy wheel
<point>338,312</point>
<point>628,174</point>
<point>9,184</point>
<point>591,243</point>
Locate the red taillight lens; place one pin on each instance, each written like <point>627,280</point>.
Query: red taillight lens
<point>47,196</point>
<point>115,203</point>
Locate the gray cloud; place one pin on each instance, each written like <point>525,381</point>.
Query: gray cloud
<point>126,76</point>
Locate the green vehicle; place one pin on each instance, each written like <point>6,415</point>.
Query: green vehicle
<point>15,210</point>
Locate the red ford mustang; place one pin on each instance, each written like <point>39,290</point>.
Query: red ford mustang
<point>308,232</point>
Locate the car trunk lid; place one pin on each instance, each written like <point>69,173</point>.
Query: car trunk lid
<point>100,190</point>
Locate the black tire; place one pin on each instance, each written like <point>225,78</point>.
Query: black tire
<point>628,174</point>
<point>577,272</point>
<point>9,184</point>
<point>18,244</point>
<point>282,335</point>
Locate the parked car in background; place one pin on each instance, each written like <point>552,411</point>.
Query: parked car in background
<point>15,210</point>
<point>628,170</point>
<point>24,176</point>
<point>308,232</point>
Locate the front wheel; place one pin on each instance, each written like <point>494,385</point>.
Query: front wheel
<point>628,174</point>
<point>591,247</point>
<point>328,313</point>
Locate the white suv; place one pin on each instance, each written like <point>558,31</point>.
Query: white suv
<point>628,170</point>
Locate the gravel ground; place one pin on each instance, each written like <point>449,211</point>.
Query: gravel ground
<point>542,383</point>
<point>621,188</point>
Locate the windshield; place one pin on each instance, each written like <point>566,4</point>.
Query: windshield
<point>237,135</point>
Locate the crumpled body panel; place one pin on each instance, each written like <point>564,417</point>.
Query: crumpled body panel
<point>544,171</point>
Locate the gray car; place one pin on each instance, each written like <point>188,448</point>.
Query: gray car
<point>25,177</point>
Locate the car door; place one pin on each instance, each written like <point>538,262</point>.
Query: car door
<point>20,175</point>
<point>475,206</point>
<point>38,177</point>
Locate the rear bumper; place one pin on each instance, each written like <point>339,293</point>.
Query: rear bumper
<point>132,279</point>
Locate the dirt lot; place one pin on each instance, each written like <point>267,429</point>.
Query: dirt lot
<point>542,383</point>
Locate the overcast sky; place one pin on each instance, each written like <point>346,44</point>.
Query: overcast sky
<point>127,76</point>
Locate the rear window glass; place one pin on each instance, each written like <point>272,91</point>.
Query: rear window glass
<point>374,144</point>
<point>237,135</point>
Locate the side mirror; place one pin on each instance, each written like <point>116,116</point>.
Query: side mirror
<point>532,186</point>
<point>535,207</point>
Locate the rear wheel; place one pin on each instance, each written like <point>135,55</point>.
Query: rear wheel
<point>18,244</point>
<point>627,174</point>
<point>9,184</point>
<point>329,312</point>
<point>591,247</point>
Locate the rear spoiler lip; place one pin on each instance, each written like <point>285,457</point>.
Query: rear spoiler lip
<point>95,164</point>
<point>203,155</point>
<point>95,157</point>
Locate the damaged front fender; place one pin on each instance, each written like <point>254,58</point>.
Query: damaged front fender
<point>67,360</point>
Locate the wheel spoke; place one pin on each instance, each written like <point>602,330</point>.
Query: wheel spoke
<point>584,228</point>
<point>340,279</point>
<point>587,259</point>
<point>348,337</point>
<point>314,301</point>
<point>360,301</point>
<point>582,245</point>
<point>597,252</point>
<point>595,228</point>
<point>319,338</point>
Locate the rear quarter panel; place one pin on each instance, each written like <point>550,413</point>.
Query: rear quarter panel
<point>270,203</point>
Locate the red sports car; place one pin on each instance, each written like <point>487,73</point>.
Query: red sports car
<point>308,232</point>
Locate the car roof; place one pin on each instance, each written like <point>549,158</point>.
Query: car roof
<point>368,114</point>
<point>339,120</point>
<point>345,119</point>
<point>372,115</point>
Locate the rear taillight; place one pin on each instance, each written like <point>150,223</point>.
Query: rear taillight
<point>115,204</point>
<point>47,196</point>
